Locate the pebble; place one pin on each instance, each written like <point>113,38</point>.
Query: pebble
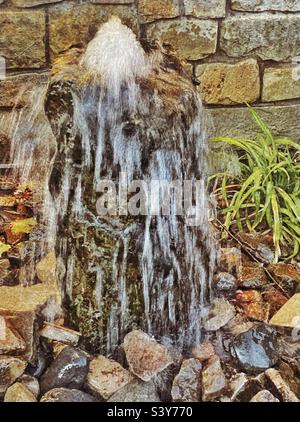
<point>187,384</point>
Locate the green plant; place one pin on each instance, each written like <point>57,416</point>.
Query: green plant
<point>267,191</point>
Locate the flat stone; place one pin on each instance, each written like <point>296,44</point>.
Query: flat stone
<point>106,377</point>
<point>252,275</point>
<point>22,36</point>
<point>10,341</point>
<point>11,368</point>
<point>15,90</point>
<point>222,83</point>
<point>158,9</point>
<point>289,314</point>
<point>203,351</point>
<point>146,358</point>
<point>205,9</point>
<point>213,379</point>
<point>187,384</point>
<point>61,334</point>
<point>264,396</point>
<point>66,395</point>
<point>265,5</point>
<point>19,393</point>
<point>32,3</point>
<point>23,305</point>
<point>281,83</point>
<point>281,387</point>
<point>68,370</point>
<point>263,36</point>
<point>256,349</point>
<point>283,121</point>
<point>31,383</point>
<point>237,384</point>
<point>221,312</point>
<point>225,285</point>
<point>285,272</point>
<point>73,24</point>
<point>136,391</point>
<point>191,38</point>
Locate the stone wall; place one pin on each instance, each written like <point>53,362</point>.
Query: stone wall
<point>239,50</point>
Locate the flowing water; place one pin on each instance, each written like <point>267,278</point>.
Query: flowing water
<point>126,116</point>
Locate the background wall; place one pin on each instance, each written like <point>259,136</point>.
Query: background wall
<point>240,50</point>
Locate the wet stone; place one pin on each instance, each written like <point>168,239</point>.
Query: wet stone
<point>136,391</point>
<point>252,276</point>
<point>213,379</point>
<point>230,260</point>
<point>276,299</point>
<point>146,358</point>
<point>60,334</point>
<point>225,285</point>
<point>187,384</point>
<point>256,349</point>
<point>31,383</point>
<point>69,370</point>
<point>203,351</point>
<point>65,395</point>
<point>264,396</point>
<point>280,386</point>
<point>289,314</point>
<point>251,302</point>
<point>10,369</point>
<point>19,393</point>
<point>220,314</point>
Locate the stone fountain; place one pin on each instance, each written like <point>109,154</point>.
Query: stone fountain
<point>125,113</point>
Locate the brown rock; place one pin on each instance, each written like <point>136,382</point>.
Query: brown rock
<point>213,379</point>
<point>46,269</point>
<point>158,9</point>
<point>285,272</point>
<point>106,377</point>
<point>191,38</point>
<point>222,83</point>
<point>205,9</point>
<point>230,259</point>
<point>61,334</point>
<point>203,351</point>
<point>281,387</point>
<point>252,276</point>
<point>187,384</point>
<point>251,302</point>
<point>73,23</point>
<point>264,396</point>
<point>10,369</point>
<point>22,38</point>
<point>10,341</point>
<point>32,3</point>
<point>281,83</point>
<point>19,393</point>
<point>289,314</point>
<point>30,383</point>
<point>275,299</point>
<point>4,270</point>
<point>221,312</point>
<point>146,358</point>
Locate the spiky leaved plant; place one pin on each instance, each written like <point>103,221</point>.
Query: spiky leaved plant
<point>267,189</point>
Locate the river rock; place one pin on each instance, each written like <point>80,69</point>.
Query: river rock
<point>106,377</point>
<point>10,369</point>
<point>280,386</point>
<point>68,370</point>
<point>42,360</point>
<point>213,379</point>
<point>221,312</point>
<point>285,273</point>
<point>230,260</point>
<point>289,314</point>
<point>264,396</point>
<point>252,276</point>
<point>19,393</point>
<point>10,341</point>
<point>260,245</point>
<point>237,384</point>
<point>225,285</point>
<point>203,351</point>
<point>65,395</point>
<point>187,384</point>
<point>60,334</point>
<point>136,391</point>
<point>146,358</point>
<point>31,383</point>
<point>275,298</point>
<point>251,301</point>
<point>256,349</point>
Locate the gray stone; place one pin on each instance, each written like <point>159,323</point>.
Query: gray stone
<point>31,383</point>
<point>221,312</point>
<point>213,379</point>
<point>191,38</point>
<point>65,395</point>
<point>136,391</point>
<point>283,121</point>
<point>256,349</point>
<point>225,285</point>
<point>281,387</point>
<point>281,83</point>
<point>264,396</point>
<point>205,9</point>
<point>19,393</point>
<point>68,370</point>
<point>187,384</point>
<point>146,358</point>
<point>263,36</point>
<point>265,5</point>
<point>22,38</point>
